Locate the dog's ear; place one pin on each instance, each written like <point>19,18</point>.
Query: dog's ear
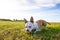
<point>25,20</point>
<point>31,19</point>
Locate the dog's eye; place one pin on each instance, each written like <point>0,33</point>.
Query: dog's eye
<point>29,26</point>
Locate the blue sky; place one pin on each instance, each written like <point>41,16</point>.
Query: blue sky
<point>48,10</point>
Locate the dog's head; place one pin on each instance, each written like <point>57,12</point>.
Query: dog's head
<point>29,24</point>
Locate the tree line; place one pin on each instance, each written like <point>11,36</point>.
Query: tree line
<point>11,20</point>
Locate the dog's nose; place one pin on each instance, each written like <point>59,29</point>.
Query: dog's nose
<point>27,30</point>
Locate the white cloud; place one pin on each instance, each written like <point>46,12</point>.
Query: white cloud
<point>45,3</point>
<point>37,3</point>
<point>8,8</point>
<point>57,1</point>
<point>27,4</point>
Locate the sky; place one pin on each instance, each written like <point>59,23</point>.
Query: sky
<point>48,10</point>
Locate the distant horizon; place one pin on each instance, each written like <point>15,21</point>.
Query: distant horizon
<point>29,19</point>
<point>48,10</point>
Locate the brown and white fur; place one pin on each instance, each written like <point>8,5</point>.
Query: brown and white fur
<point>38,23</point>
<point>42,23</point>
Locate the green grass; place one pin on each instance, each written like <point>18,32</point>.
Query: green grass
<point>15,31</point>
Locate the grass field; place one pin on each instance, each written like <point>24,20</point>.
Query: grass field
<point>15,31</point>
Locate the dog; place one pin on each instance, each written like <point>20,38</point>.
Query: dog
<point>36,26</point>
